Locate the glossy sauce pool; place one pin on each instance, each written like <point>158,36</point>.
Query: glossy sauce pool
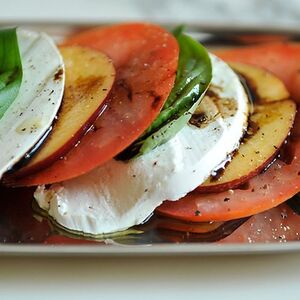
<point>19,223</point>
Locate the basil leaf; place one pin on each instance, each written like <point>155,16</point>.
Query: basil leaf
<point>10,68</point>
<point>193,76</point>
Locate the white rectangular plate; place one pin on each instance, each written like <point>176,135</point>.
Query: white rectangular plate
<point>213,36</point>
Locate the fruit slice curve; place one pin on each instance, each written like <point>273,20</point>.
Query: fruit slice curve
<point>31,114</point>
<point>282,59</point>
<point>270,124</point>
<point>279,183</point>
<point>145,57</point>
<point>89,77</point>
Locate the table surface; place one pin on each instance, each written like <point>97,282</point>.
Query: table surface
<point>222,277</point>
<point>240,277</point>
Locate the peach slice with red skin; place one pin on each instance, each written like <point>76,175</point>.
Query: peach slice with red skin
<point>89,77</point>
<point>269,126</point>
<point>266,86</point>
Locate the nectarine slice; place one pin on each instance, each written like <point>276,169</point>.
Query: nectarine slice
<point>273,123</point>
<point>270,125</point>
<point>265,86</point>
<point>89,77</point>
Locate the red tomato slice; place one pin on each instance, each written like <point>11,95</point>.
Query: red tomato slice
<point>279,183</point>
<point>145,57</point>
<point>191,227</point>
<point>277,225</point>
<point>283,59</point>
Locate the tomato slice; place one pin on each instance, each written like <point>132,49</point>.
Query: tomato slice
<point>282,59</point>
<point>277,225</point>
<point>191,227</point>
<point>279,183</point>
<point>146,58</point>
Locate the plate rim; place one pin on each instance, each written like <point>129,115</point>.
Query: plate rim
<point>195,249</point>
<point>202,249</point>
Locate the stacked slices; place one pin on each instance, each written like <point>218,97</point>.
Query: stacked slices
<point>120,194</point>
<point>201,172</point>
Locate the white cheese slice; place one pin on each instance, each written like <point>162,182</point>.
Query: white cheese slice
<point>39,98</point>
<point>119,194</point>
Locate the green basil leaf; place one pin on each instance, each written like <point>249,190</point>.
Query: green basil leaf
<point>193,76</point>
<point>10,68</point>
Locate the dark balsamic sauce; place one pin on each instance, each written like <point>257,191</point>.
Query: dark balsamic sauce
<point>217,174</point>
<point>287,152</point>
<point>197,119</point>
<point>249,87</point>
<point>215,235</point>
<point>19,224</point>
<point>17,221</point>
<point>252,129</point>
<point>245,186</point>
<point>58,75</point>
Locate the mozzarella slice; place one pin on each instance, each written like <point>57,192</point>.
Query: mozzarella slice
<point>119,194</point>
<point>38,101</point>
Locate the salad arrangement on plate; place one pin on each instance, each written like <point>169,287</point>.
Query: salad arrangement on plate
<point>132,125</point>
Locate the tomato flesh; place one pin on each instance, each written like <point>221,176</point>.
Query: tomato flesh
<point>146,58</point>
<point>277,225</point>
<point>279,183</point>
